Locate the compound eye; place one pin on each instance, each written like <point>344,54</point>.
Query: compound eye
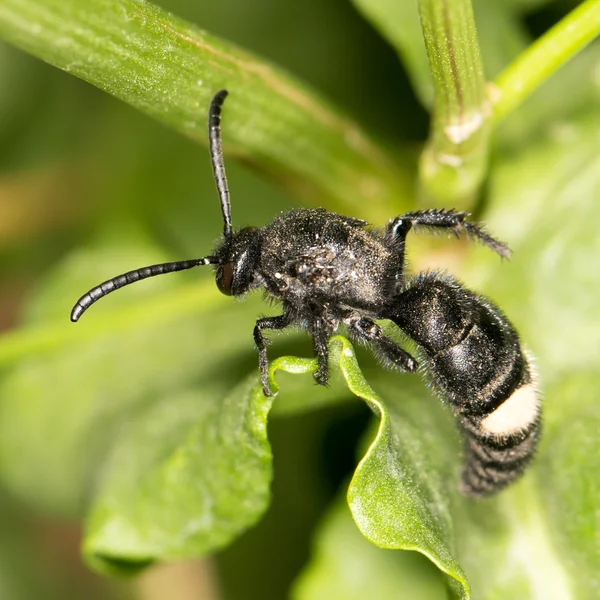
<point>225,278</point>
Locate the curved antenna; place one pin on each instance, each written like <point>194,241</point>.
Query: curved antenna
<point>216,157</point>
<point>131,277</point>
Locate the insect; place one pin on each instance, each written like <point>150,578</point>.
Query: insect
<point>329,270</point>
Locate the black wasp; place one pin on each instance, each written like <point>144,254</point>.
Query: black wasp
<point>328,270</point>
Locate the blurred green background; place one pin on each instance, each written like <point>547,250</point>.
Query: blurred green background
<point>81,170</point>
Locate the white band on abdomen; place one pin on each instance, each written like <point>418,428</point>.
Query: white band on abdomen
<point>515,414</point>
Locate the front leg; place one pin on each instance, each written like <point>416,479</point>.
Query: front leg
<point>278,322</point>
<point>366,330</point>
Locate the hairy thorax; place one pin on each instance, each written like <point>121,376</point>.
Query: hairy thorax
<point>315,258</point>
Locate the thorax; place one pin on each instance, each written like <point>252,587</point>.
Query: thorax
<point>314,257</point>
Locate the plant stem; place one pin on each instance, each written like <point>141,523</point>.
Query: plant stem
<point>454,161</point>
<point>543,57</point>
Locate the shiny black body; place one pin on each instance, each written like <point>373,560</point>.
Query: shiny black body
<point>328,270</point>
<point>473,357</point>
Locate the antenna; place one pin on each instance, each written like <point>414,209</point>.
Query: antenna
<point>216,157</point>
<point>131,277</point>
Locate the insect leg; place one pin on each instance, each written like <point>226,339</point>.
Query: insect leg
<point>320,336</point>
<point>366,330</point>
<point>451,220</point>
<point>274,323</point>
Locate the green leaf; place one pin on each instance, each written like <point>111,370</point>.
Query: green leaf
<point>186,475</point>
<point>404,495</point>
<point>193,471</point>
<point>399,494</point>
<point>170,69</point>
<point>344,565</point>
<point>184,478</point>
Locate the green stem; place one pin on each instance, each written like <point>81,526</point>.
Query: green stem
<point>454,161</point>
<point>170,69</point>
<point>546,55</point>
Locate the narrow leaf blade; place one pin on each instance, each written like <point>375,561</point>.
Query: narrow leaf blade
<point>170,69</point>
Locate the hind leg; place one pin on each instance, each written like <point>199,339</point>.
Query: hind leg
<point>441,219</point>
<point>366,330</point>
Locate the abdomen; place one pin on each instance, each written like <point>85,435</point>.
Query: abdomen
<point>474,358</point>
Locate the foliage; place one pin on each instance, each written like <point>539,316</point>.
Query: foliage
<point>146,420</point>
